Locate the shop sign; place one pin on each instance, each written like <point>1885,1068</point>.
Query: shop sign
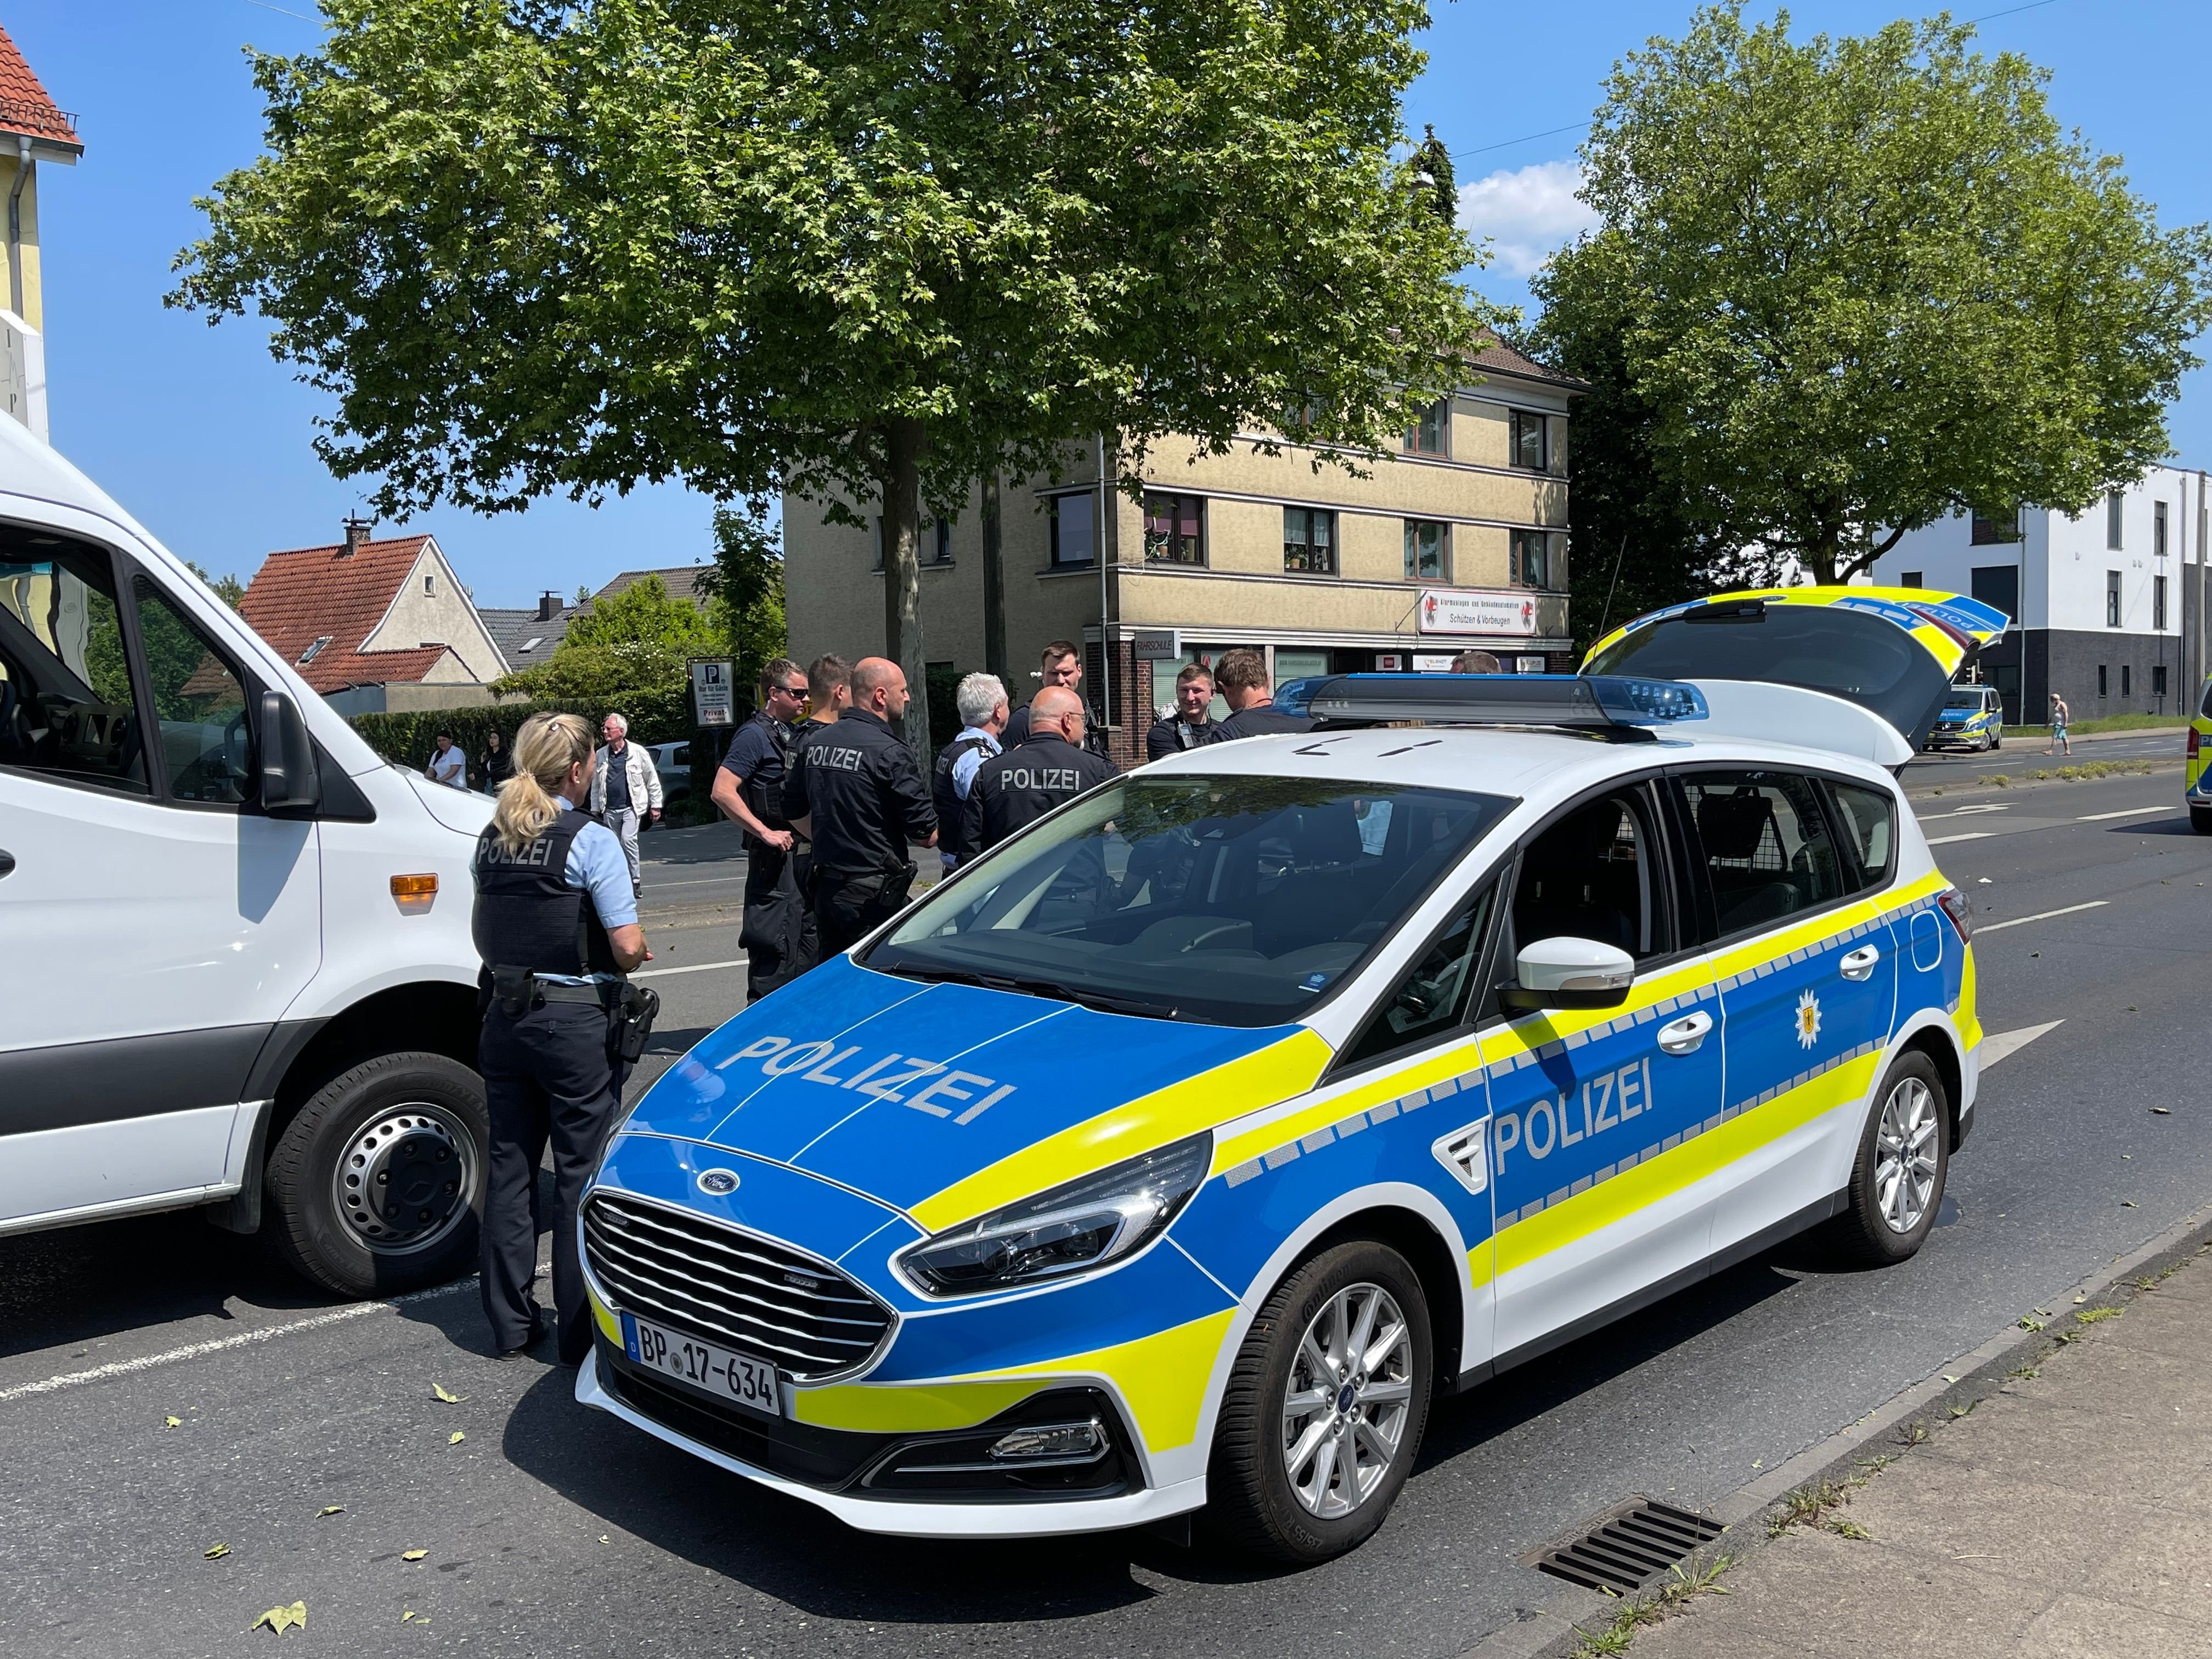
<point>1465,610</point>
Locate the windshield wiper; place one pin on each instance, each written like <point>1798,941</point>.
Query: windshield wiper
<point>1104,1002</point>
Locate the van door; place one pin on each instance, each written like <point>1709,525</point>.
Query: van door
<point>1600,1195</point>
<point>155,922</point>
<point>1808,977</point>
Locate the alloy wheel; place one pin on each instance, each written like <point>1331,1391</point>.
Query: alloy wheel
<point>1344,1409</point>
<point>1905,1155</point>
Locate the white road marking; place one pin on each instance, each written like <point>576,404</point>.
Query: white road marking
<point>1970,834</point>
<point>2001,1044</point>
<point>696,881</point>
<point>1963,811</point>
<point>688,968</point>
<point>244,1339</point>
<point>2132,812</point>
<point>1981,927</point>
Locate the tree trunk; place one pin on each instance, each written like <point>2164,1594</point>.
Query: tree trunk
<point>903,442</point>
<point>995,580</point>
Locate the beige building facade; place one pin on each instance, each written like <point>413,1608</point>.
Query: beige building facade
<point>1457,542</point>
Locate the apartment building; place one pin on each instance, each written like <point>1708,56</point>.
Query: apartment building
<point>2108,606</point>
<point>1456,541</point>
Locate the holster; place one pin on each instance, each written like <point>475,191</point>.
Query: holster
<point>636,1010</point>
<point>511,988</point>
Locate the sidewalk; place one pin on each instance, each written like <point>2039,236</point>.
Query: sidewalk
<point>2069,1513</point>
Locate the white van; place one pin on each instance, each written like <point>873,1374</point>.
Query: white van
<point>235,968</point>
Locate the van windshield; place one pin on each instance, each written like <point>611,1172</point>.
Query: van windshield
<point>1963,700</point>
<point>1233,901</point>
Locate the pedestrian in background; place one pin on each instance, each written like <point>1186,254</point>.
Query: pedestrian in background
<point>862,800</point>
<point>555,924</point>
<point>625,789</point>
<point>1060,664</point>
<point>448,765</point>
<point>1475,662</point>
<point>2059,715</point>
<point>1192,721</point>
<point>1242,678</point>
<point>1045,769</point>
<point>749,788</point>
<point>981,701</point>
<point>498,765</point>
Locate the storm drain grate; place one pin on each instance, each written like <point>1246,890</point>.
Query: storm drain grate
<point>1626,1547</point>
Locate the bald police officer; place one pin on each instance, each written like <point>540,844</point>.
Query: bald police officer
<point>859,796</point>
<point>1049,767</point>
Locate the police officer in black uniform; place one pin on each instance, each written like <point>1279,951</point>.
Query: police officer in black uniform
<point>555,924</point>
<point>982,702</point>
<point>1240,678</point>
<point>1018,788</point>
<point>862,799</point>
<point>829,694</point>
<point>749,787</point>
<point>1061,664</point>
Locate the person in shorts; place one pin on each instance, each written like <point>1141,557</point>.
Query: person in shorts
<point>2059,746</point>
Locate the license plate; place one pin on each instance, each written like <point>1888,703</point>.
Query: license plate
<point>722,1372</point>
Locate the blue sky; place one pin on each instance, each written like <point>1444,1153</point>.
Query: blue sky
<point>206,438</point>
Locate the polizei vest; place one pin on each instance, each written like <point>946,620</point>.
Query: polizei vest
<point>526,915</point>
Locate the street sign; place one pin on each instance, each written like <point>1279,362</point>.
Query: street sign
<point>711,691</point>
<point>1154,646</point>
<point>1466,611</point>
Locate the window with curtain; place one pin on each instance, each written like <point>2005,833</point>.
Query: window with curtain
<point>1431,435</point>
<point>1531,558</point>
<point>1310,541</point>
<point>1174,528</point>
<point>1428,550</point>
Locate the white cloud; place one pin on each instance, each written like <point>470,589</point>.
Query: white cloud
<point>1527,215</point>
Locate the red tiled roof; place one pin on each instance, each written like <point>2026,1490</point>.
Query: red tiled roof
<point>25,105</point>
<point>1503,359</point>
<point>298,597</point>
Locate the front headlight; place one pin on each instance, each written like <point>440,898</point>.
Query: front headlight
<point>1071,1229</point>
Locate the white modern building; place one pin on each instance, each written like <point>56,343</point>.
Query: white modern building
<point>2108,608</point>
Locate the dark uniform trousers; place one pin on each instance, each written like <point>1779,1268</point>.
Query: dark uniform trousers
<point>549,1075</point>
<point>848,909</point>
<point>779,932</point>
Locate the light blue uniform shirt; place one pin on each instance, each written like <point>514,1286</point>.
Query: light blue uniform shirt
<point>598,864</point>
<point>964,768</point>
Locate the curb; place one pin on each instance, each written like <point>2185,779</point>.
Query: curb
<point>1550,1633</point>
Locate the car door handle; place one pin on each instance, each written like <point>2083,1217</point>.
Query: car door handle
<point>1860,962</point>
<point>1683,1036</point>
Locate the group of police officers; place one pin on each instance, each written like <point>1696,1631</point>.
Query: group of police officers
<point>831,805</point>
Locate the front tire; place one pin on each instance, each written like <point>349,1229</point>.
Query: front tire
<point>377,1185</point>
<point>1325,1407</point>
<point>1905,1156</point>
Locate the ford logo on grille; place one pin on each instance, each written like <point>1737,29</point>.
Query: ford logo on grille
<point>720,1182</point>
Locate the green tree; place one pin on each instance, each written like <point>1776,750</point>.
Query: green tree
<point>227,588</point>
<point>1869,282</point>
<point>643,613</point>
<point>745,589</point>
<point>1432,164</point>
<point>862,253</point>
<point>630,652</point>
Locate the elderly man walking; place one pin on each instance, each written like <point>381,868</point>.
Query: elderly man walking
<point>625,790</point>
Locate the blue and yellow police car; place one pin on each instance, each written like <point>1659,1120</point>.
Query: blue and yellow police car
<point>1180,1151</point>
<point>2196,773</point>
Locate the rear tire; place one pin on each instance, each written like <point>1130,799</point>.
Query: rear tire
<point>377,1185</point>
<point>1300,1405</point>
<point>1897,1180</point>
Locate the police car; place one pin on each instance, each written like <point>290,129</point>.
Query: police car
<point>1180,1151</point>
<point>1972,717</point>
<point>2197,781</point>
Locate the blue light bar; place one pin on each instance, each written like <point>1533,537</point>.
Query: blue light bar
<point>1588,701</point>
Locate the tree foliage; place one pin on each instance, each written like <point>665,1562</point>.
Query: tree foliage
<point>631,651</point>
<point>744,588</point>
<point>861,253</point>
<point>1867,283</point>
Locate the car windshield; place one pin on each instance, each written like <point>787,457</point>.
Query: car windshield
<point>1963,700</point>
<point>1233,901</point>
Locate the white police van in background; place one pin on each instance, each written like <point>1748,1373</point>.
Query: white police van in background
<point>235,967</point>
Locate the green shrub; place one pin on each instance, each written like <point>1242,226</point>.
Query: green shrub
<point>409,737</point>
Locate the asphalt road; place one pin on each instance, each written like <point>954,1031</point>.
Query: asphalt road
<point>548,1529</point>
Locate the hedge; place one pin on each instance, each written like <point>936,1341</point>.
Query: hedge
<point>409,737</point>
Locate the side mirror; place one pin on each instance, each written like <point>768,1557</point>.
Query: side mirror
<point>1570,973</point>
<point>289,779</point>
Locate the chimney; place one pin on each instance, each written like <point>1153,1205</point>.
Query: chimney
<point>356,532</point>
<point>548,605</point>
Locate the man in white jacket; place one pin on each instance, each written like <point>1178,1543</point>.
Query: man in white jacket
<point>625,789</point>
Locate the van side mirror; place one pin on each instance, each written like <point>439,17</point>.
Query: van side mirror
<point>289,779</point>
<point>1570,973</point>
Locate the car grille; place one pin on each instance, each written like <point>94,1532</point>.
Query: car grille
<point>769,1299</point>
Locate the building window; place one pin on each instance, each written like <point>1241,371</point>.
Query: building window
<point>315,650</point>
<point>2101,682</point>
<point>427,588</point>
<point>1530,438</point>
<point>1075,541</point>
<point>1428,550</point>
<point>1531,559</point>
<point>2157,679</point>
<point>2158,604</point>
<point>2111,599</point>
<point>1432,436</point>
<point>1310,541</point>
<point>2114,502</point>
<point>1988,531</point>
<point>934,536</point>
<point>2127,680</point>
<point>2158,530</point>
<point>1174,528</point>
<point>940,541</point>
<point>1909,579</point>
<point>1997,585</point>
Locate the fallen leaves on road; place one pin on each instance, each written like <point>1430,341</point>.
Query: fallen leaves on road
<point>456,1438</point>
<point>328,1511</point>
<point>411,1617</point>
<point>438,1391</point>
<point>412,1555</point>
<point>214,1551</point>
<point>172,1422</point>
<point>281,1619</point>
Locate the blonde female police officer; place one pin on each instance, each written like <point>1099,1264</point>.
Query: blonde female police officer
<point>555,922</point>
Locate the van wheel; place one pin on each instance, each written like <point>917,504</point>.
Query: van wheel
<point>1996,741</point>
<point>377,1184</point>
<point>1324,1410</point>
<point>1905,1153</point>
<point>2200,820</point>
